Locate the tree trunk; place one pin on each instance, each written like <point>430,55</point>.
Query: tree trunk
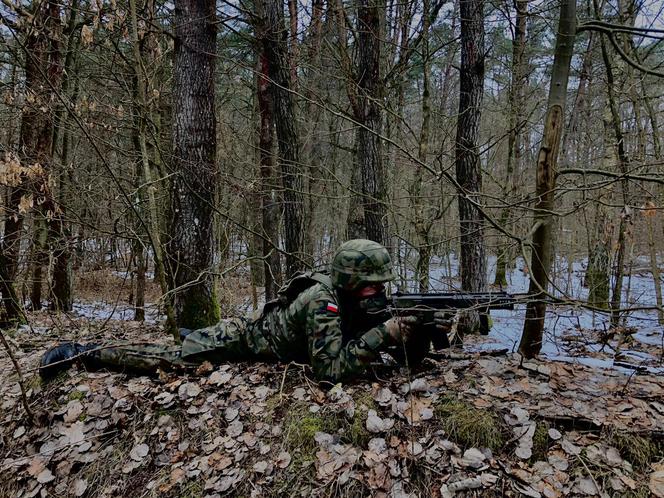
<point>141,268</point>
<point>624,165</point>
<point>193,191</point>
<point>369,117</point>
<point>467,158</point>
<point>422,222</point>
<point>276,51</point>
<point>542,244</point>
<point>649,214</point>
<point>516,102</point>
<point>43,71</point>
<point>269,209</point>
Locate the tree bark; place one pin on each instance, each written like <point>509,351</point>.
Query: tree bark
<point>193,191</point>
<point>542,244</point>
<point>43,70</point>
<point>369,117</point>
<point>269,209</point>
<point>422,222</point>
<point>624,165</point>
<point>516,102</point>
<point>275,45</point>
<point>467,158</point>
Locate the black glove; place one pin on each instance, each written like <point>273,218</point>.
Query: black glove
<point>61,357</point>
<point>401,328</point>
<point>443,322</point>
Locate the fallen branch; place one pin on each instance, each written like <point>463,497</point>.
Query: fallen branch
<point>467,356</point>
<point>24,397</point>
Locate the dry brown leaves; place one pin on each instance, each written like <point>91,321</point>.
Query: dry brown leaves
<point>221,431</point>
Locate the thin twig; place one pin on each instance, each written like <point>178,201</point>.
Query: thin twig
<point>24,397</point>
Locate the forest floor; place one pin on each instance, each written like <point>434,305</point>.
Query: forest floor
<point>472,425</point>
<point>465,424</point>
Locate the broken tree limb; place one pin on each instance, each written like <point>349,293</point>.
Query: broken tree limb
<point>21,385</point>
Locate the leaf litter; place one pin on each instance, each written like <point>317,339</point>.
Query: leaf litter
<point>226,430</point>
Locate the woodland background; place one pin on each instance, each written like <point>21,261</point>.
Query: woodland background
<point>195,143</point>
<point>165,164</point>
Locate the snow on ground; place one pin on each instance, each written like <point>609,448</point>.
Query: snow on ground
<point>581,325</point>
<point>100,310</point>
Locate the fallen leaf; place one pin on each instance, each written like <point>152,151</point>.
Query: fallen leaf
<point>45,476</point>
<point>78,487</point>
<point>37,465</point>
<point>418,409</point>
<point>555,434</point>
<point>376,424</point>
<point>74,410</point>
<point>231,413</point>
<point>587,486</point>
<point>525,448</point>
<point>283,460</point>
<point>165,398</point>
<point>19,432</point>
<point>235,428</point>
<point>218,378</point>
<point>473,458</point>
<point>656,483</point>
<point>188,390</point>
<point>204,368</point>
<point>139,452</point>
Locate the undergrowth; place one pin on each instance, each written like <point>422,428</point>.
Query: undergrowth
<point>469,426</point>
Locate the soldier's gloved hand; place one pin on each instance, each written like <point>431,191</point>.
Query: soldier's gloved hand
<point>401,328</point>
<point>443,322</point>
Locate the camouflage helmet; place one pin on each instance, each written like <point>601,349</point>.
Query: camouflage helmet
<point>360,262</point>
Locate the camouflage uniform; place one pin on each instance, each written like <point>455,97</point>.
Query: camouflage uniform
<point>307,328</point>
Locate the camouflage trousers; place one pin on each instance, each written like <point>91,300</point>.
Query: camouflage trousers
<point>234,339</point>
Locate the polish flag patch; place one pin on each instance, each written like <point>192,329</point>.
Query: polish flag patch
<point>332,307</point>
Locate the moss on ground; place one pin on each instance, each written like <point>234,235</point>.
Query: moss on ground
<point>300,426</point>
<point>540,441</point>
<point>638,450</point>
<point>355,431</point>
<point>469,426</point>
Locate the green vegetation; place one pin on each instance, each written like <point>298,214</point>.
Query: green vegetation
<point>638,450</point>
<point>76,394</point>
<point>540,441</point>
<point>469,426</point>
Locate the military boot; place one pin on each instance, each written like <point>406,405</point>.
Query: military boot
<point>61,357</point>
<point>184,333</point>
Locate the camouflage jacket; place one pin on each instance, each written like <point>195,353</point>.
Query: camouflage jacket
<point>309,331</point>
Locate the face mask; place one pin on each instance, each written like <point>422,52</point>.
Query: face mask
<point>372,311</point>
<point>374,304</point>
<point>362,314</point>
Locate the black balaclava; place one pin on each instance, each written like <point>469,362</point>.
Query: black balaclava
<point>360,315</point>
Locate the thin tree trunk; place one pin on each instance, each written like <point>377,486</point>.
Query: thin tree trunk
<point>60,230</point>
<point>649,214</point>
<point>467,158</point>
<point>269,209</point>
<point>422,224</point>
<point>141,268</point>
<point>274,39</point>
<point>624,165</point>
<point>542,244</point>
<point>516,100</point>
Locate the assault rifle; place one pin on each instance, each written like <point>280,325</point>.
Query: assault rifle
<point>425,305</point>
